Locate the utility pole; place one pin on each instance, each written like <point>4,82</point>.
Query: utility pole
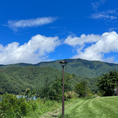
<point>63,63</point>
<point>116,88</point>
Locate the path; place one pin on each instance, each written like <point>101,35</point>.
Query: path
<point>101,107</point>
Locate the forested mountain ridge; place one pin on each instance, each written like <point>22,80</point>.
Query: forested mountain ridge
<point>15,78</point>
<point>83,68</point>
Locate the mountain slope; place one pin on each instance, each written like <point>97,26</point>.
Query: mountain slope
<point>15,78</point>
<point>83,68</point>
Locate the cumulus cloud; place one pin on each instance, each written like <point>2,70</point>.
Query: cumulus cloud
<point>30,22</point>
<point>34,51</point>
<point>105,43</point>
<point>89,47</point>
<point>75,41</point>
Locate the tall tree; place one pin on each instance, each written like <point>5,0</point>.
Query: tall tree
<point>108,83</point>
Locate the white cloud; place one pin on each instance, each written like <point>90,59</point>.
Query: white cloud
<point>75,41</point>
<point>33,51</point>
<point>30,22</point>
<point>110,15</point>
<point>103,44</point>
<point>90,47</point>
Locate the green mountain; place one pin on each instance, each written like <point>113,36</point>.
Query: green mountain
<point>15,78</point>
<point>83,68</point>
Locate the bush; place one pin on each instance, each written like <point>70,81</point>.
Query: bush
<point>69,95</point>
<point>13,107</point>
<point>81,89</point>
<point>9,107</point>
<point>34,105</point>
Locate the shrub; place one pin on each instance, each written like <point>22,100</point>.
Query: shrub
<point>13,107</point>
<point>69,95</point>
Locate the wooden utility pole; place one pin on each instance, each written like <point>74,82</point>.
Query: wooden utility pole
<point>63,63</point>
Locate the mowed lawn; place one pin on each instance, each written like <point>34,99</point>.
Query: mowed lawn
<point>100,107</point>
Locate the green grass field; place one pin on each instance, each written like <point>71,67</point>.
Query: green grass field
<point>100,107</point>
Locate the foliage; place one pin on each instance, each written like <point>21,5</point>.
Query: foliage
<point>83,68</point>
<point>13,107</point>
<point>54,91</point>
<point>17,78</point>
<point>108,83</point>
<point>70,95</point>
<point>44,106</point>
<point>82,89</point>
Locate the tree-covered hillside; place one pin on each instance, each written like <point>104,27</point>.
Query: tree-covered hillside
<point>83,68</point>
<point>16,78</point>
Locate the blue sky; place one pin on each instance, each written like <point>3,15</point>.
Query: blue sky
<point>41,30</point>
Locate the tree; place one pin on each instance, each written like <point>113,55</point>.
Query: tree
<point>53,91</point>
<point>81,89</point>
<point>107,83</point>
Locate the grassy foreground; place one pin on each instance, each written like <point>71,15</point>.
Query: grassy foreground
<point>100,107</point>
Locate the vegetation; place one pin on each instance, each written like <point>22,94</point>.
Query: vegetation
<point>18,77</point>
<point>44,106</point>
<point>44,81</point>
<point>83,68</point>
<point>82,89</point>
<point>100,107</point>
<point>54,91</point>
<point>108,83</point>
<point>13,107</point>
